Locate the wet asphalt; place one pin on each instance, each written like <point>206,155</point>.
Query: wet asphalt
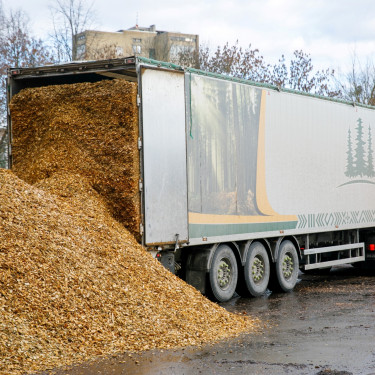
<point>325,326</point>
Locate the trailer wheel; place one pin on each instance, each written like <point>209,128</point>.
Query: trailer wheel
<point>223,273</point>
<point>257,269</point>
<point>286,267</point>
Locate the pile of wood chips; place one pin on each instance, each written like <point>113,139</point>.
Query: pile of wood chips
<point>87,128</point>
<point>74,282</point>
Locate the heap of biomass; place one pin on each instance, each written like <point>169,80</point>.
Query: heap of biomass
<point>74,282</point>
<point>87,128</point>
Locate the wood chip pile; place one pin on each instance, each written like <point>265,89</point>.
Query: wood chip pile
<point>87,128</point>
<point>74,282</point>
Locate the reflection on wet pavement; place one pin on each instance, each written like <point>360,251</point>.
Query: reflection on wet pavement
<point>326,326</point>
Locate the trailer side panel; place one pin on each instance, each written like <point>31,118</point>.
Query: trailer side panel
<point>263,163</point>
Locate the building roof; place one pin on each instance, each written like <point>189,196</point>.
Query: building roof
<point>150,29</point>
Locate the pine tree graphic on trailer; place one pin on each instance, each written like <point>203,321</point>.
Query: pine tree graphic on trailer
<point>359,165</point>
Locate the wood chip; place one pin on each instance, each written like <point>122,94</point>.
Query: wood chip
<point>74,282</point>
<point>87,128</point>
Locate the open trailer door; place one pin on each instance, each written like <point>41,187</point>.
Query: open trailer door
<point>164,156</point>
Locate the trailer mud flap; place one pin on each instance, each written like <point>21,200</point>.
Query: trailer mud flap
<point>197,267</point>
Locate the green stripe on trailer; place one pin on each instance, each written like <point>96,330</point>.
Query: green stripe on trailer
<point>213,230</point>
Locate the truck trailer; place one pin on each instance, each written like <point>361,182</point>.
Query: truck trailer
<point>241,185</point>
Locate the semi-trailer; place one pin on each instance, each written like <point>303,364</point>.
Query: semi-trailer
<point>241,184</point>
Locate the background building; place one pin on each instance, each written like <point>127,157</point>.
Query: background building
<point>141,41</point>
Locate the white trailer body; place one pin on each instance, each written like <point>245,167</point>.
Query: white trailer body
<point>265,161</point>
<point>242,183</point>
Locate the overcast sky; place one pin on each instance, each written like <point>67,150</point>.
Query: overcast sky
<point>330,30</point>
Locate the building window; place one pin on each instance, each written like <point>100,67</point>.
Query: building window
<point>81,50</point>
<point>137,40</point>
<point>137,48</point>
<point>119,51</point>
<point>182,39</point>
<point>178,49</point>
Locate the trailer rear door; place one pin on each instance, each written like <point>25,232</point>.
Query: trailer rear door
<point>164,156</point>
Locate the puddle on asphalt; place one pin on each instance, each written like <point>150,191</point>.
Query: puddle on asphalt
<point>307,331</point>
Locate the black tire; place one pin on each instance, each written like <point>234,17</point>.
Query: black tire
<point>286,268</point>
<point>256,270</point>
<point>223,273</point>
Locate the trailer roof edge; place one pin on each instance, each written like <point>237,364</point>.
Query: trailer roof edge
<point>166,65</point>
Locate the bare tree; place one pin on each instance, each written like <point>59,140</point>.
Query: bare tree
<point>106,51</point>
<point>303,77</point>
<point>192,59</point>
<point>298,74</point>
<point>235,61</point>
<point>161,46</point>
<point>228,60</point>
<point>70,18</point>
<point>2,17</point>
<point>17,49</point>
<point>358,85</point>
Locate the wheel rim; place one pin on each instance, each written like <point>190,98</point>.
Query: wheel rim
<point>224,273</point>
<point>287,266</point>
<point>257,269</point>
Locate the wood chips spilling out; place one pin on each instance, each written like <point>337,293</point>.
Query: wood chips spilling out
<point>74,282</point>
<point>90,129</point>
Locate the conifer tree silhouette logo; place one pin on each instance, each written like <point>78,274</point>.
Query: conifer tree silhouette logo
<point>360,161</point>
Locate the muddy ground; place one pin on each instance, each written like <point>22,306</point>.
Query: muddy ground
<point>325,326</point>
